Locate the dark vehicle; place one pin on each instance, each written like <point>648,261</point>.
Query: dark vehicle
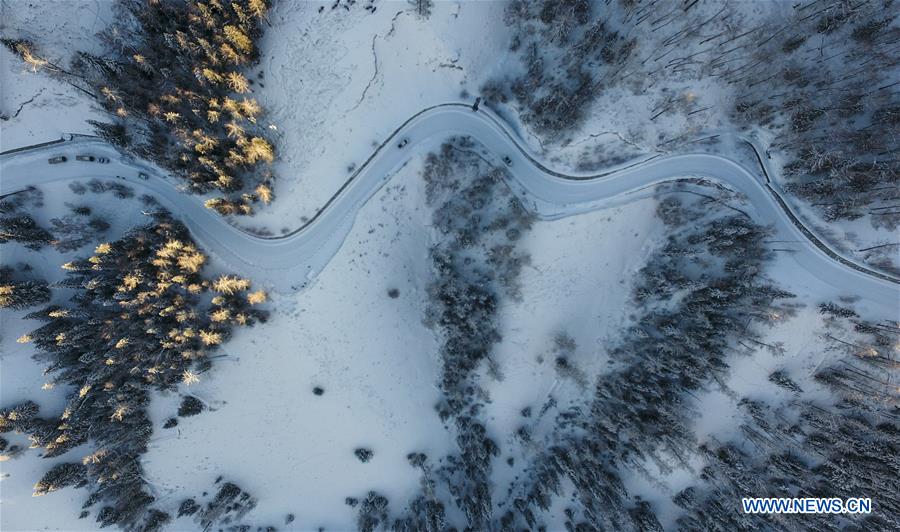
<point>402,143</point>
<point>103,160</point>
<point>143,176</point>
<point>507,161</point>
<point>57,160</point>
<point>85,158</point>
<point>476,104</point>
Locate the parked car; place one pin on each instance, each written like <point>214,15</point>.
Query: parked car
<point>85,158</point>
<point>58,159</point>
<point>402,143</point>
<point>143,176</point>
<point>103,160</point>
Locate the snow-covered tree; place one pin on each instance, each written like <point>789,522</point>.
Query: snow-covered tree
<point>138,322</point>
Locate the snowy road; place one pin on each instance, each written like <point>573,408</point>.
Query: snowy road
<point>294,259</point>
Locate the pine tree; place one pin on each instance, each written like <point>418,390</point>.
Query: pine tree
<point>169,80</point>
<point>23,229</point>
<point>21,294</point>
<point>138,322</point>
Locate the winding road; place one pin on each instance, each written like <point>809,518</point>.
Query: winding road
<point>296,258</point>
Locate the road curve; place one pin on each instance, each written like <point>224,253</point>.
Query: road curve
<point>292,260</point>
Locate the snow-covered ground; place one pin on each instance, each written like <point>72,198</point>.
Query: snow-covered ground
<point>373,357</point>
<point>266,430</point>
<point>659,102</point>
<point>375,360</point>
<point>339,82</point>
<point>799,350</point>
<point>370,353</point>
<point>22,378</point>
<point>577,286</point>
<point>33,107</point>
<point>335,83</point>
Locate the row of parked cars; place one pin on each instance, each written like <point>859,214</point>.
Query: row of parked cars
<point>59,159</point>
<point>85,158</point>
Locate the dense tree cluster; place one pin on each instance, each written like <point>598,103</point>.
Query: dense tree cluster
<point>143,317</point>
<point>72,231</point>
<point>373,512</point>
<point>18,293</point>
<point>229,505</point>
<point>833,101</point>
<point>16,225</point>
<point>475,264</point>
<point>569,53</point>
<point>671,353</point>
<point>363,454</point>
<point>702,296</point>
<point>847,446</point>
<point>173,83</point>
<point>819,75</point>
<point>188,507</point>
<point>426,511</point>
<point>699,297</point>
<point>190,406</point>
<point>477,218</point>
<point>24,229</point>
<point>78,228</point>
<point>574,52</point>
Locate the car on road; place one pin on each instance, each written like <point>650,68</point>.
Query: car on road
<point>143,176</point>
<point>58,159</point>
<point>402,143</point>
<point>91,159</point>
<point>507,161</point>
